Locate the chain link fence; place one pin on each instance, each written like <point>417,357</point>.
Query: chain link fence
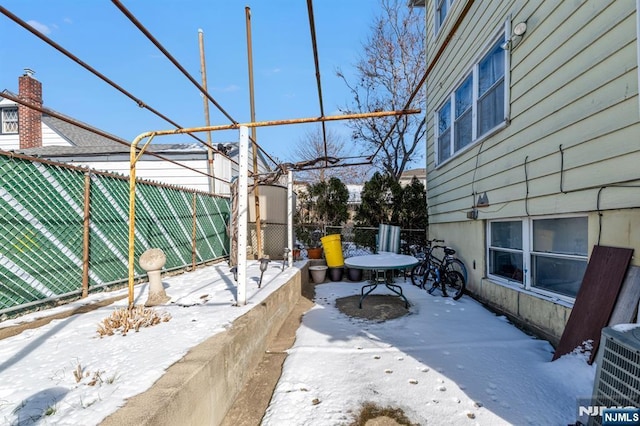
<point>64,230</point>
<point>360,237</point>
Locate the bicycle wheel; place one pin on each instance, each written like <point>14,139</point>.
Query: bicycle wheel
<point>429,281</point>
<point>417,272</point>
<point>457,265</point>
<point>454,284</point>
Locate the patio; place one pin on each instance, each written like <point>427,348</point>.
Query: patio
<point>442,362</point>
<point>439,361</point>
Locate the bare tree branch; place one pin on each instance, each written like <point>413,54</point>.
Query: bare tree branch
<point>310,150</point>
<point>388,72</point>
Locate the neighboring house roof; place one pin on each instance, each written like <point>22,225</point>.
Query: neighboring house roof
<point>408,175</point>
<point>79,137</point>
<point>88,141</point>
<point>414,172</point>
<point>66,151</point>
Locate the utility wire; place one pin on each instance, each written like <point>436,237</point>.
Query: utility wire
<point>177,64</point>
<point>97,131</point>
<point>430,67</point>
<point>98,74</point>
<point>312,27</point>
<point>166,53</point>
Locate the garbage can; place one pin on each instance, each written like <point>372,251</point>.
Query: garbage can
<point>332,250</point>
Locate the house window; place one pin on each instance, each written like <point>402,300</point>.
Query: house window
<point>442,10</point>
<point>545,255</point>
<point>463,134</point>
<point>505,250</point>
<point>491,102</point>
<point>9,120</point>
<point>444,132</point>
<point>477,105</point>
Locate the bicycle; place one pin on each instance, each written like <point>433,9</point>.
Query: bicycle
<point>443,276</point>
<point>425,256</point>
<point>445,273</point>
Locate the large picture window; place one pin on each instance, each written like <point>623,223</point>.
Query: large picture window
<point>546,255</point>
<point>477,105</point>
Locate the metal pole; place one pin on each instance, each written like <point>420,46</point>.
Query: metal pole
<point>290,208</point>
<point>254,145</point>
<point>203,72</point>
<point>268,123</point>
<point>194,235</point>
<point>243,196</point>
<point>133,159</point>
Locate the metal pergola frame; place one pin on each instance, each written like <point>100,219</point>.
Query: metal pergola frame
<point>243,179</point>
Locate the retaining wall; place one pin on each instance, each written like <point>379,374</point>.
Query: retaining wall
<point>201,387</point>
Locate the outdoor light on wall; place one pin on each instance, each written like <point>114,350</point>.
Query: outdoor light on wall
<point>483,200</point>
<point>518,31</point>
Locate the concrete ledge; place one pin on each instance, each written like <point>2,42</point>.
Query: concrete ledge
<point>537,314</point>
<point>201,387</point>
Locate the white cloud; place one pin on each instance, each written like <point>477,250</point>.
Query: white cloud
<point>271,71</point>
<point>68,21</point>
<point>227,89</point>
<point>40,27</point>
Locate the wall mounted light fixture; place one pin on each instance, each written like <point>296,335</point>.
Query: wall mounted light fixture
<point>483,200</point>
<point>518,31</point>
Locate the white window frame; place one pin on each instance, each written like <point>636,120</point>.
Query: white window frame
<point>504,34</point>
<point>527,252</point>
<point>437,5</point>
<point>3,121</point>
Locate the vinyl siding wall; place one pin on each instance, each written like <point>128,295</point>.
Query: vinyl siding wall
<point>573,89</point>
<point>11,141</point>
<point>571,141</point>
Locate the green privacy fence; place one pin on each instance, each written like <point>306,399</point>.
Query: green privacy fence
<point>64,230</point>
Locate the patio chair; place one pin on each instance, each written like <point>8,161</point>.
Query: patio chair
<point>388,239</point>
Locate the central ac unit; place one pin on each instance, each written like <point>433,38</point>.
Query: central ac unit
<point>617,381</point>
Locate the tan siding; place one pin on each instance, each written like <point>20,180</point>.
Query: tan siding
<point>574,83</point>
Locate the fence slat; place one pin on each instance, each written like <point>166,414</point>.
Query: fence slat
<point>63,230</point>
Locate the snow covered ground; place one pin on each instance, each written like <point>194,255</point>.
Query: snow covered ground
<point>38,368</point>
<point>444,363</point>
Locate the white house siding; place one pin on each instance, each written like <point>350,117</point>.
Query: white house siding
<point>158,171</point>
<point>7,142</point>
<point>573,88</point>
<point>49,137</point>
<point>52,138</point>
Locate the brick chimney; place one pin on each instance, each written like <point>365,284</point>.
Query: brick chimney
<point>29,120</point>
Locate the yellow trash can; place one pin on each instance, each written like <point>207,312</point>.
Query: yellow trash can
<point>332,250</point>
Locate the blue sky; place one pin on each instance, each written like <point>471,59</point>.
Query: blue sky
<point>100,35</point>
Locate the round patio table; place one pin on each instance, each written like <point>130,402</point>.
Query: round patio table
<point>380,263</point>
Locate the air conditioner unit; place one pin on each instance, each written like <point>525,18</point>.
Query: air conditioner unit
<point>617,381</point>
